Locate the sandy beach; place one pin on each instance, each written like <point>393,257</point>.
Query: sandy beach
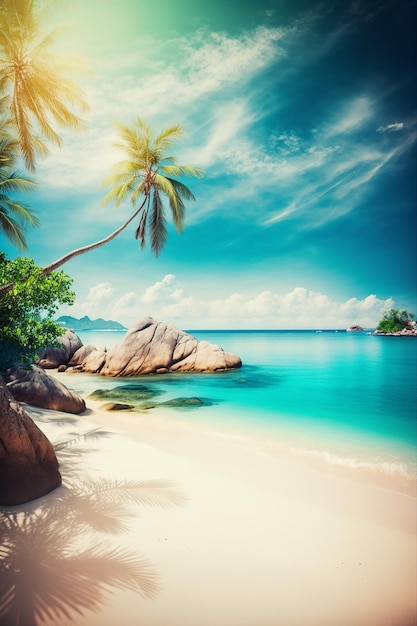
<point>252,538</point>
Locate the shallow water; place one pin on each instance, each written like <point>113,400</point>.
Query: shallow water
<point>345,399</point>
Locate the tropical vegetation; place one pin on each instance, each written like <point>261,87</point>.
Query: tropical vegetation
<point>36,85</point>
<point>15,216</point>
<point>37,94</point>
<point>395,320</point>
<point>26,311</point>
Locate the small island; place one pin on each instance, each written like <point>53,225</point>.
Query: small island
<point>85,323</point>
<point>397,323</point>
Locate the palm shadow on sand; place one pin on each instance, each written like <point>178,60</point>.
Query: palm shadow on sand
<point>56,560</point>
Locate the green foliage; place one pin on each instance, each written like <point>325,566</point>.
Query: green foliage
<point>15,216</point>
<point>36,84</point>
<point>26,323</point>
<point>395,321</point>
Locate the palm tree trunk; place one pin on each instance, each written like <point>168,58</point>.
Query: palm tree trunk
<point>71,255</point>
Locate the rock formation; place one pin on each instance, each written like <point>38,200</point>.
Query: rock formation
<point>36,387</point>
<point>52,357</point>
<point>354,329</point>
<point>28,465</point>
<point>155,347</point>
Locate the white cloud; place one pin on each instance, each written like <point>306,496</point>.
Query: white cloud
<point>159,290</point>
<point>166,300</point>
<point>391,128</point>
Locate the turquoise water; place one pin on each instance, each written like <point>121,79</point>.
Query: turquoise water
<point>348,399</point>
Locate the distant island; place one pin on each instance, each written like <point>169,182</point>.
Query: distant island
<point>85,323</point>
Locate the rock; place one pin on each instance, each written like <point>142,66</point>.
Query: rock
<point>93,363</point>
<point>116,406</point>
<point>52,357</point>
<point>183,402</point>
<point>150,346</point>
<point>36,387</point>
<point>28,465</point>
<point>354,329</point>
<point>125,394</point>
<point>81,354</point>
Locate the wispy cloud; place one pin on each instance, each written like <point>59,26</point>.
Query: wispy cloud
<point>207,65</point>
<point>391,128</point>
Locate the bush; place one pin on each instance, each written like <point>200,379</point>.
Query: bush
<point>26,323</point>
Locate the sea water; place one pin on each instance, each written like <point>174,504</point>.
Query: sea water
<point>344,399</point>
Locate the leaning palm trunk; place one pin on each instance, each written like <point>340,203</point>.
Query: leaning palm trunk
<point>74,253</point>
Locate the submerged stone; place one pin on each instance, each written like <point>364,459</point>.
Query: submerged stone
<point>116,406</point>
<point>183,402</point>
<point>130,394</point>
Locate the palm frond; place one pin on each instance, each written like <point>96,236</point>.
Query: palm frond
<point>157,227</point>
<point>167,137</point>
<point>120,191</point>
<point>141,229</point>
<point>182,170</point>
<point>175,202</point>
<point>13,230</point>
<point>15,181</point>
<point>181,189</point>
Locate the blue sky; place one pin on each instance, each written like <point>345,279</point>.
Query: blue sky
<point>303,117</point>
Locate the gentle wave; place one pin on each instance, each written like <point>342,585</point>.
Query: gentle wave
<point>390,468</point>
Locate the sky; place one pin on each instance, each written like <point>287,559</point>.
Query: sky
<point>303,117</point>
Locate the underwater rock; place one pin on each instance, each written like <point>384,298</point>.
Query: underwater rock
<point>125,393</point>
<point>183,402</point>
<point>116,406</point>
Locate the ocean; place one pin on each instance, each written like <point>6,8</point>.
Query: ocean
<point>343,400</point>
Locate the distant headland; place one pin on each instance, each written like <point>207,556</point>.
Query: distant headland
<point>85,323</point>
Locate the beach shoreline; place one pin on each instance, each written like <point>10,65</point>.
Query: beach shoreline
<point>262,539</point>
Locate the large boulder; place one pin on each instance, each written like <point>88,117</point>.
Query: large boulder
<point>93,362</point>
<point>36,387</point>
<point>155,347</point>
<point>52,356</point>
<point>81,354</point>
<point>28,465</point>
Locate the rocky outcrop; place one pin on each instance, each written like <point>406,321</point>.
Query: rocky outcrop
<point>93,363</point>
<point>405,332</point>
<point>81,354</point>
<point>52,357</point>
<point>354,329</point>
<point>155,347</point>
<point>28,465</point>
<point>36,387</point>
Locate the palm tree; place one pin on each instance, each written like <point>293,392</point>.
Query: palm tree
<point>36,82</point>
<point>14,216</point>
<point>147,172</point>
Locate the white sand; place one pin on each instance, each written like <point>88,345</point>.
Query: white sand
<point>262,540</point>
